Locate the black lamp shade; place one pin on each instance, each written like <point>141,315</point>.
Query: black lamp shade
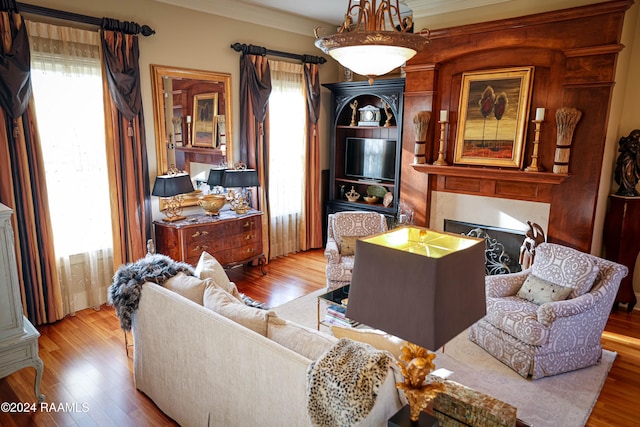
<point>425,291</point>
<point>233,178</point>
<point>215,177</point>
<point>172,185</point>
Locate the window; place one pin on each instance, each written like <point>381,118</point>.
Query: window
<point>287,127</point>
<point>67,89</point>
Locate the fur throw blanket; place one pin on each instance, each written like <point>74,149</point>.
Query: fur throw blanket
<point>124,292</point>
<point>342,385</point>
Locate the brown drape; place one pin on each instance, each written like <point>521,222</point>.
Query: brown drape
<point>313,202</point>
<point>126,143</point>
<point>255,88</point>
<point>22,177</point>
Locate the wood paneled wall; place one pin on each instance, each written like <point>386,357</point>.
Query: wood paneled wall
<point>574,52</point>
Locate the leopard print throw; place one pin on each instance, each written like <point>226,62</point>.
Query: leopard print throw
<point>342,385</point>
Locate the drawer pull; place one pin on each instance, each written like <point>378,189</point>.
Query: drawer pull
<point>200,233</point>
<point>249,236</point>
<point>247,224</point>
<point>250,250</point>
<point>201,248</point>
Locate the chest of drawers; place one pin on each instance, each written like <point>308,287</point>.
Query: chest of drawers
<point>232,239</point>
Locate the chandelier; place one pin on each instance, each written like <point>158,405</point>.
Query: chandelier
<point>379,40</point>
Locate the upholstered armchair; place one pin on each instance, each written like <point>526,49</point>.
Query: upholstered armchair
<point>549,318</point>
<point>342,231</point>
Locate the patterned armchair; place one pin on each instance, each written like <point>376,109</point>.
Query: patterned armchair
<point>342,231</point>
<point>537,338</point>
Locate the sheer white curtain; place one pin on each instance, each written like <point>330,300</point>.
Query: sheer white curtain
<point>287,129</point>
<point>67,88</point>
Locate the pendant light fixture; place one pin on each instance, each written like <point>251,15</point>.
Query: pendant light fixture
<point>379,40</point>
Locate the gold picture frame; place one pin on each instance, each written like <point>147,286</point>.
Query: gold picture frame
<point>205,110</point>
<point>493,111</point>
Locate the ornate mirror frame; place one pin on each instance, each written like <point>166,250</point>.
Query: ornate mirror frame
<point>165,128</point>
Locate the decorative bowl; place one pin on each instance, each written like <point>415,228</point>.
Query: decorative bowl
<point>212,203</point>
<point>370,199</point>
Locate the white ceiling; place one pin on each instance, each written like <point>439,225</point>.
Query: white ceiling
<point>301,16</point>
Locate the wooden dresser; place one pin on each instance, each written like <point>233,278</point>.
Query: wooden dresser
<point>233,239</point>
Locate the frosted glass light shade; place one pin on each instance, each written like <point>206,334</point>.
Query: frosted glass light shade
<point>372,60</point>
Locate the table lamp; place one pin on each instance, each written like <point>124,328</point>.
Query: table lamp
<point>239,178</point>
<point>215,178</point>
<point>423,286</point>
<point>171,187</point>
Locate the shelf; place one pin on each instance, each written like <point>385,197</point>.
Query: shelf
<point>361,204</point>
<point>499,183</point>
<point>495,174</point>
<point>357,182</point>
<point>365,127</point>
<point>201,150</point>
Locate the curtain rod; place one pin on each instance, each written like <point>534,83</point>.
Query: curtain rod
<point>259,50</point>
<point>145,30</point>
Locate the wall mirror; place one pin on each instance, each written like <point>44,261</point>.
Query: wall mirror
<point>193,122</point>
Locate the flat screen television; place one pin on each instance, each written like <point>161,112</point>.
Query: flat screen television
<point>370,158</point>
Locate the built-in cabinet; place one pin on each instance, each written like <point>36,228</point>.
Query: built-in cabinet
<point>18,337</point>
<point>365,144</point>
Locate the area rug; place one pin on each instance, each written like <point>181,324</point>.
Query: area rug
<point>562,400</point>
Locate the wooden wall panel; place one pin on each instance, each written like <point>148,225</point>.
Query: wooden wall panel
<point>574,52</point>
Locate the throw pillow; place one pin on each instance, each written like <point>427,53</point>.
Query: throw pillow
<point>566,267</point>
<point>188,286</point>
<point>307,342</point>
<point>377,339</point>
<point>540,291</point>
<point>348,245</point>
<point>225,304</point>
<point>209,268</point>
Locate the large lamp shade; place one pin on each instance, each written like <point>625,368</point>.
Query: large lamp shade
<point>215,177</point>
<point>234,178</point>
<point>418,284</point>
<point>172,185</point>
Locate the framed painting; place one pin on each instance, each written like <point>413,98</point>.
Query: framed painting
<point>205,110</point>
<point>493,111</point>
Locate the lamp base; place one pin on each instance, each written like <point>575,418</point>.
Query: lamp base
<point>402,418</point>
<point>173,218</point>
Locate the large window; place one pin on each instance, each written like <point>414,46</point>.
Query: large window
<point>287,107</point>
<point>67,87</point>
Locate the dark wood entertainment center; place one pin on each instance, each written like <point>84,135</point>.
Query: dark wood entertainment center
<point>345,96</point>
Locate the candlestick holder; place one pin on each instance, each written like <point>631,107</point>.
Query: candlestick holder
<point>188,134</point>
<point>441,161</point>
<point>533,167</point>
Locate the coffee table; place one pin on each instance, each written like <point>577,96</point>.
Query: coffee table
<point>334,297</point>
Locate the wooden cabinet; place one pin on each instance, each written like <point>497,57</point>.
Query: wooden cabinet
<point>18,337</point>
<point>379,164</point>
<point>622,242</point>
<point>232,239</point>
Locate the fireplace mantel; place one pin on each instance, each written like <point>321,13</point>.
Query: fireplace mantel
<point>503,183</point>
<point>574,53</point>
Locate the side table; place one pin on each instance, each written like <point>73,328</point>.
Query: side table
<point>622,242</point>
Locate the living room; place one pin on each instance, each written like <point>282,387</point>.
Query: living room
<point>174,44</point>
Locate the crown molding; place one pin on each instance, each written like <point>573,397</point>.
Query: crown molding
<point>254,14</point>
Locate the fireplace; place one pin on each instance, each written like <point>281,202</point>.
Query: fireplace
<point>502,245</point>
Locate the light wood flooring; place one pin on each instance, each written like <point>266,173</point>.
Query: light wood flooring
<point>86,363</point>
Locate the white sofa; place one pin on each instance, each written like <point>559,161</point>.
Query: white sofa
<point>203,369</point>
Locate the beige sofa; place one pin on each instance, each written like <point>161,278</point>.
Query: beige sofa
<point>203,369</point>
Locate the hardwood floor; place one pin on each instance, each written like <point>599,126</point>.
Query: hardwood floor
<point>87,369</point>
